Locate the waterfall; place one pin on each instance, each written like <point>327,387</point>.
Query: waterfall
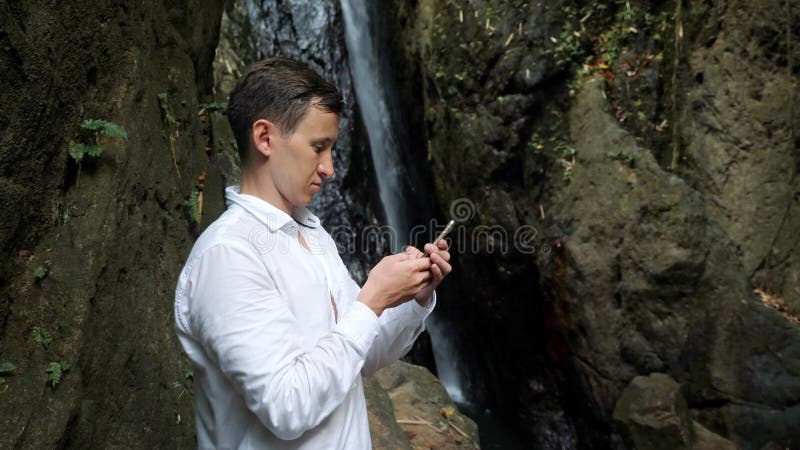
<point>389,169</point>
<point>364,68</point>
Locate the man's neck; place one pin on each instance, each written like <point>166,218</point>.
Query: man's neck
<point>262,186</point>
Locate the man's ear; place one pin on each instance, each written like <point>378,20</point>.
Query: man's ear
<point>264,134</point>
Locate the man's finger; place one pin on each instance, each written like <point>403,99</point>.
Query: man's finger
<point>437,272</point>
<point>442,264</point>
<point>420,264</point>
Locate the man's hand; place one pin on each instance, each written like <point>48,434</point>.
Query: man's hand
<point>394,280</point>
<point>439,267</point>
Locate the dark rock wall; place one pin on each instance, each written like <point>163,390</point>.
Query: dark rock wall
<point>662,193</point>
<point>115,231</point>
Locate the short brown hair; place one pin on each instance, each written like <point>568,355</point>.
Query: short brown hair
<point>279,90</point>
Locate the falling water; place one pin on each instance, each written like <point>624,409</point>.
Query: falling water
<point>365,70</point>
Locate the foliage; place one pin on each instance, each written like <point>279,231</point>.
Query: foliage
<point>166,112</point>
<point>56,371</point>
<point>42,337</point>
<point>97,128</point>
<point>40,273</point>
<point>567,153</point>
<point>105,128</point>
<point>194,206</point>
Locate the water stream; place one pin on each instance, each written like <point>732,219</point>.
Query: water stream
<point>369,85</point>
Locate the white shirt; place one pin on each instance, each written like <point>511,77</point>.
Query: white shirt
<point>254,311</point>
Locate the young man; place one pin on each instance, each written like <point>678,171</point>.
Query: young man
<point>278,331</point>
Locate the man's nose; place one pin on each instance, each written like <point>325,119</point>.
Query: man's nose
<point>325,168</point>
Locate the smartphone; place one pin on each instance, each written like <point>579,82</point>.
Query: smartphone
<point>442,235</point>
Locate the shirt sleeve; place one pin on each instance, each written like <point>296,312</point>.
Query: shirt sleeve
<point>398,327</point>
<point>238,315</point>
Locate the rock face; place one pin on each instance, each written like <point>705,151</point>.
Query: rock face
<point>660,195</point>
<point>113,232</point>
<point>653,414</point>
<point>679,294</point>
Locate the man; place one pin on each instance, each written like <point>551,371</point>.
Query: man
<point>277,330</point>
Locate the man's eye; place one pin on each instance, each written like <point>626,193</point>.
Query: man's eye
<point>318,148</point>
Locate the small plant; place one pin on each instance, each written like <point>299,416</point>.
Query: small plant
<point>6,368</point>
<point>40,273</point>
<point>42,337</point>
<point>98,128</point>
<point>535,142</point>
<point>195,206</point>
<point>56,371</point>
<point>166,112</point>
<point>568,161</point>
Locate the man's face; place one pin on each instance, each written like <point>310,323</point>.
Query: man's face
<point>300,161</point>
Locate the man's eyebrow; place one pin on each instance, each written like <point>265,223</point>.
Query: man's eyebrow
<point>323,140</point>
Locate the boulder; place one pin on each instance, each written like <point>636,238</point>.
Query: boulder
<point>422,408</point>
<point>653,415</point>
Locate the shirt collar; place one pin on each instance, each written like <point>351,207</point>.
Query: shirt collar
<point>271,216</point>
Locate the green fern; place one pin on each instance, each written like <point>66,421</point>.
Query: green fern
<point>105,128</point>
<point>193,205</point>
<point>98,127</point>
<point>56,371</point>
<point>42,337</point>
<point>40,272</point>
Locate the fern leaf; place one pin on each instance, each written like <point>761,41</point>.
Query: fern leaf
<point>54,373</point>
<point>76,150</point>
<point>194,206</point>
<point>105,128</point>
<point>94,150</point>
<point>6,368</point>
<point>114,130</point>
<point>42,337</point>
<point>92,124</point>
